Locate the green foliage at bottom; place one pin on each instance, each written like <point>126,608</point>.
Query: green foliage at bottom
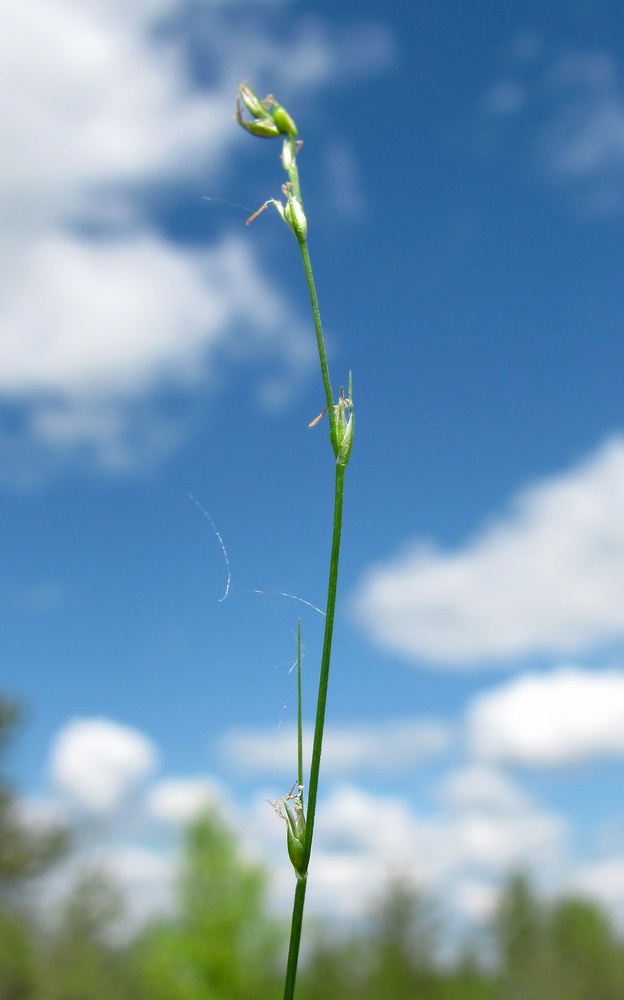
<point>224,945</point>
<point>17,966</point>
<point>392,958</point>
<point>565,951</point>
<point>76,958</point>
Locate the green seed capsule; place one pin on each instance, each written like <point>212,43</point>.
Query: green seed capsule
<point>295,217</point>
<point>263,126</point>
<point>252,102</point>
<point>290,809</point>
<point>295,832</point>
<point>283,121</point>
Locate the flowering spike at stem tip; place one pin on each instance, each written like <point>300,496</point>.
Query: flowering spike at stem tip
<point>264,127</point>
<point>268,118</point>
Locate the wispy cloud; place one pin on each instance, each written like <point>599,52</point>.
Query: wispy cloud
<point>379,748</point>
<point>570,109</point>
<point>583,142</point>
<point>547,577</point>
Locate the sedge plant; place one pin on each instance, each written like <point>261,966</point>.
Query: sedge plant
<point>268,119</point>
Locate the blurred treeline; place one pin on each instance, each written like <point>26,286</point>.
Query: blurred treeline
<point>225,943</point>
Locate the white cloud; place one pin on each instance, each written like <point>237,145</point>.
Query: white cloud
<point>362,839</point>
<point>458,847</point>
<point>548,577</point>
<point>602,881</point>
<point>378,748</point>
<point>94,101</point>
<point>142,880</point>
<point>146,880</point>
<point>179,800</point>
<point>499,843</point>
<point>476,899</point>
<point>97,763</point>
<point>111,312</point>
<point>550,719</point>
<point>97,99</point>
<point>99,312</point>
<point>93,327</point>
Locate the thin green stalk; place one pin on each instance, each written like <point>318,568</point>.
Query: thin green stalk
<point>270,120</point>
<point>300,891</point>
<point>332,588</point>
<point>295,938</point>
<point>320,342</point>
<point>299,711</point>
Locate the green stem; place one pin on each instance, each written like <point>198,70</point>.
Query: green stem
<point>332,588</point>
<point>321,702</point>
<point>295,939</point>
<point>320,342</point>
<point>299,713</point>
<point>293,171</point>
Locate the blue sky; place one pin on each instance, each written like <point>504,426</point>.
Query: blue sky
<point>463,177</point>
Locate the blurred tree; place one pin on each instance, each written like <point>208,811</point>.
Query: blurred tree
<point>402,950</point>
<point>77,956</point>
<point>396,956</point>
<point>468,981</point>
<point>17,959</point>
<point>521,931</point>
<point>224,945</point>
<point>567,951</point>
<point>335,966</point>
<point>24,851</point>
<point>587,960</point>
